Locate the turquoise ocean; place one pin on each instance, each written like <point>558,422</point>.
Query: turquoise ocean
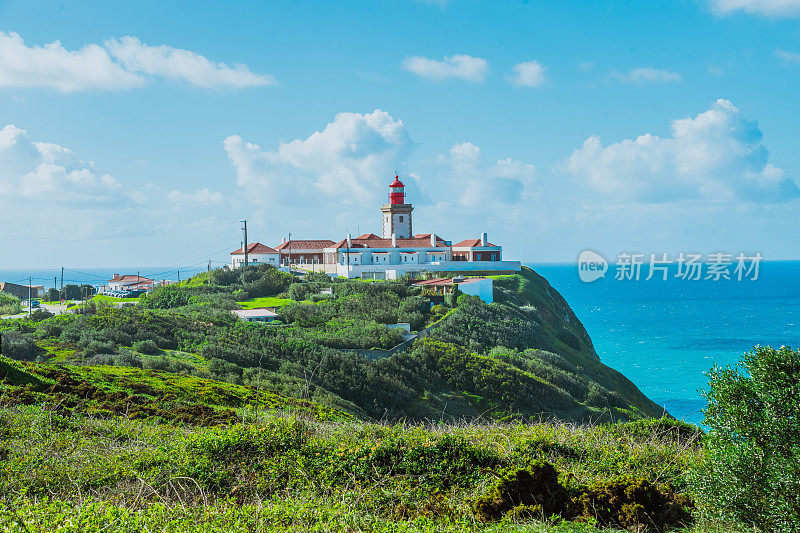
<point>662,335</point>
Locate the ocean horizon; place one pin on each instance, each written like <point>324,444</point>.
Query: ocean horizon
<point>665,335</point>
<point>662,335</point>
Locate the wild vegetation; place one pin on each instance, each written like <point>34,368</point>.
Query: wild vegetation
<point>172,415</point>
<point>501,361</point>
<point>9,305</point>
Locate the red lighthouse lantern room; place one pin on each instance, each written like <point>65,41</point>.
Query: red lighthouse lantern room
<point>397,193</point>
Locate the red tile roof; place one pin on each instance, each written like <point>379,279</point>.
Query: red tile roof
<point>255,248</point>
<point>472,243</point>
<point>305,245</point>
<point>130,277</point>
<point>368,236</point>
<point>377,242</point>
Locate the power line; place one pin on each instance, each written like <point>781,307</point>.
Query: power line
<point>9,242</point>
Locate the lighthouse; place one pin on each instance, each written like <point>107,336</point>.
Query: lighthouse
<point>397,213</point>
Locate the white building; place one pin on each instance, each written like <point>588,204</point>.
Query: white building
<point>483,288</point>
<point>397,252</point>
<point>256,315</point>
<point>257,253</point>
<point>130,282</point>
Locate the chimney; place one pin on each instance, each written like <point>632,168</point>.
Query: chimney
<point>349,241</point>
<point>433,239</point>
<point>284,241</point>
<point>484,239</point>
<point>394,240</point>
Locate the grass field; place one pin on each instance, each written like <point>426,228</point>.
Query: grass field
<point>113,300</point>
<point>269,301</point>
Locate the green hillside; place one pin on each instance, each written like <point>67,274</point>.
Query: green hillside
<point>173,415</point>
<point>527,355</point>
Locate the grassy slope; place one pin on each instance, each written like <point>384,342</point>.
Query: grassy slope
<point>69,472</point>
<point>270,301</point>
<point>558,375</point>
<point>530,290</point>
<point>141,394</point>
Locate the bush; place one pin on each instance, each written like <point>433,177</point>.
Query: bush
<point>148,347</point>
<point>534,491</point>
<point>164,298</point>
<point>128,358</point>
<point>451,298</point>
<point>299,291</point>
<point>240,295</point>
<point>631,503</point>
<point>19,346</point>
<point>41,314</point>
<point>750,468</point>
<point>9,305</point>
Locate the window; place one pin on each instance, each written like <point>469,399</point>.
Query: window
<point>401,218</point>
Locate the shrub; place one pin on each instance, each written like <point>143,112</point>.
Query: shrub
<point>240,295</point>
<point>9,305</point>
<point>533,493</point>
<point>451,298</point>
<point>299,291</point>
<point>94,347</point>
<point>148,347</point>
<point>631,503</point>
<point>156,363</point>
<point>40,314</point>
<point>19,346</point>
<point>750,467</point>
<point>127,357</point>
<point>164,298</point>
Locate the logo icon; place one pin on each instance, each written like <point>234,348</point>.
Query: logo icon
<point>591,266</point>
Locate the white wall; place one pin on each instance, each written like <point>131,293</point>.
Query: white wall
<point>483,289</point>
<point>270,259</point>
<point>393,271</point>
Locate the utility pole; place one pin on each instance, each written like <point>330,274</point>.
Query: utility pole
<point>208,279</point>
<point>179,277</point>
<point>61,292</point>
<point>289,247</point>
<point>244,228</point>
<point>55,284</point>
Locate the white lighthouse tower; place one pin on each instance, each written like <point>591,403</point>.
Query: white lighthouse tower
<point>397,213</point>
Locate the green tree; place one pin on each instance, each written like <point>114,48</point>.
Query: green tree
<point>750,469</point>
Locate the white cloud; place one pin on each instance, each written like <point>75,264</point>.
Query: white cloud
<point>528,74</point>
<point>770,8</point>
<point>789,57</point>
<point>49,173</point>
<point>346,162</point>
<point>55,67</point>
<point>646,75</point>
<point>506,182</point>
<point>460,66</point>
<point>182,65</point>
<point>130,63</point>
<point>717,155</point>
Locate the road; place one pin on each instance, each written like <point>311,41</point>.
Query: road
<point>56,309</point>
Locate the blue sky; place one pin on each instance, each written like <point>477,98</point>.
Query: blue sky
<point>553,126</point>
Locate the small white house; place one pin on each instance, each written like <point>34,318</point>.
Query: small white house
<point>130,282</point>
<point>257,254</point>
<point>256,315</point>
<point>483,288</point>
